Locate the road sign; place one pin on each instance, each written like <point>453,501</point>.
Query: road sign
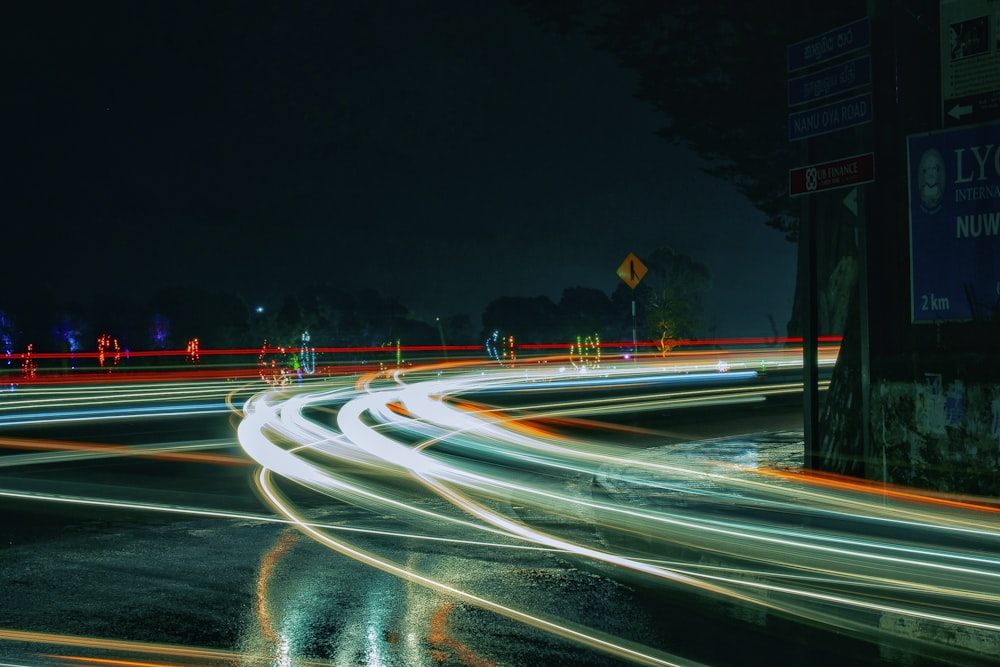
<point>830,81</point>
<point>831,117</point>
<point>632,270</point>
<point>954,178</point>
<point>970,62</point>
<point>851,201</point>
<point>832,44</point>
<point>832,175</point>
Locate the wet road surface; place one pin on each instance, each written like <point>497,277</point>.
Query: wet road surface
<point>169,553</point>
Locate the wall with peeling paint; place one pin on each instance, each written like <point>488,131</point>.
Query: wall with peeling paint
<point>937,434</point>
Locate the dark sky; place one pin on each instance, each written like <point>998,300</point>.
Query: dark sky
<point>444,153</point>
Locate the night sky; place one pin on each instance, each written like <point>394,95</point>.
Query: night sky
<point>442,153</point>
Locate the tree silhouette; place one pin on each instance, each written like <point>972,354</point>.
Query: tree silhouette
<point>528,319</point>
<point>700,64</point>
<point>718,73</point>
<point>672,290</point>
<point>584,311</point>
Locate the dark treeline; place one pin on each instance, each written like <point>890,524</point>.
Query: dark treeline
<point>334,317</point>
<point>667,307</point>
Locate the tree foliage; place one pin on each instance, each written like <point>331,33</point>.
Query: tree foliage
<point>717,71</point>
<point>528,319</point>
<point>584,311</point>
<point>672,290</point>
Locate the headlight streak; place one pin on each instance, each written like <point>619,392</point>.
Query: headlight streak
<point>45,396</point>
<point>56,451</point>
<point>803,483</point>
<point>980,519</point>
<point>566,410</point>
<point>768,535</point>
<point>255,443</point>
<point>68,407</point>
<point>436,410</point>
<point>588,638</point>
<point>637,565</point>
<point>258,518</point>
<point>397,428</point>
<point>431,472</point>
<point>392,442</point>
<point>213,656</point>
<point>93,642</point>
<point>129,414</point>
<point>262,608</point>
<point>43,405</point>
<point>348,417</point>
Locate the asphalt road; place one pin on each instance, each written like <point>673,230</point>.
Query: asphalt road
<point>138,527</point>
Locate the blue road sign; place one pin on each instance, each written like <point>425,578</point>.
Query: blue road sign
<point>831,44</point>
<point>831,117</point>
<point>830,81</point>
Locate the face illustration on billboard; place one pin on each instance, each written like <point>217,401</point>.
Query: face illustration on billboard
<point>931,180</point>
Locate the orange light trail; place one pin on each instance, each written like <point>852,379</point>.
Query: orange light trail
<point>270,561</point>
<point>204,656</point>
<point>874,488</point>
<point>162,453</point>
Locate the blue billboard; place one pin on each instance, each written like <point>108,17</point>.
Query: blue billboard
<point>954,198</point>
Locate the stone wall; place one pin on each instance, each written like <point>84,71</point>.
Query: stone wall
<point>937,434</point>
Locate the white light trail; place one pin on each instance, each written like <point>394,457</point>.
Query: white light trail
<point>395,444</point>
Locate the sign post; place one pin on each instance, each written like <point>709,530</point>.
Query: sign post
<point>844,54</point>
<point>631,271</point>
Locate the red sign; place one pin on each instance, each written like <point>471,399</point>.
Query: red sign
<point>832,175</point>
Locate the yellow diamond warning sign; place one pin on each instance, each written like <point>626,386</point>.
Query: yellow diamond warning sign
<point>632,270</point>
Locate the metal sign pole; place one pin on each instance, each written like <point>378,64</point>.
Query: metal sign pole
<point>635,345</point>
<point>810,370</point>
<point>631,271</point>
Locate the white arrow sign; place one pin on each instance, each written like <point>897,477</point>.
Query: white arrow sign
<point>851,201</point>
<point>959,110</point>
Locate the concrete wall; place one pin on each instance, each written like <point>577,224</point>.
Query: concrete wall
<point>937,433</point>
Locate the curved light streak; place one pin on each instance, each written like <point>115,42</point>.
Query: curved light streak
<point>428,439</point>
<point>587,638</point>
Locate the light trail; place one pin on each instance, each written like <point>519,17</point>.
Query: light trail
<point>595,640</point>
<point>62,451</point>
<point>481,460</point>
<point>259,518</point>
<point>207,656</point>
<point>45,404</point>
